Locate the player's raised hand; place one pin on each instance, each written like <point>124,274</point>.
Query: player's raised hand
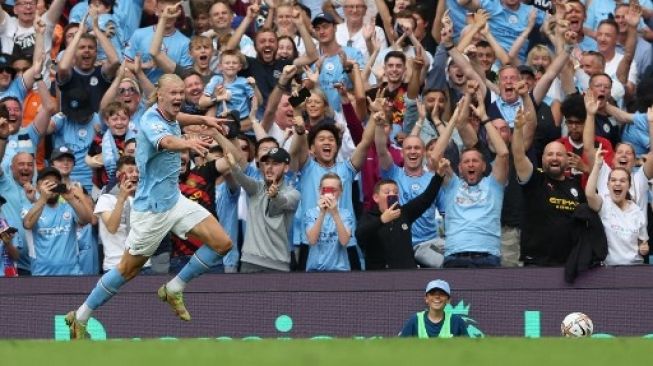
<point>199,146</point>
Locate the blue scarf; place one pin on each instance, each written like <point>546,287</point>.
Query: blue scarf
<point>110,155</point>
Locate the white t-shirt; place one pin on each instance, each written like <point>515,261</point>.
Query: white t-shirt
<point>638,187</point>
<point>113,244</point>
<point>623,229</point>
<point>11,32</point>
<point>357,40</point>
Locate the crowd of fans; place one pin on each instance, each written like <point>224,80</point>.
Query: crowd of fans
<point>353,134</point>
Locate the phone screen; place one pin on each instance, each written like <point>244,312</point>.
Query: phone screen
<point>301,96</point>
<point>328,190</point>
<point>392,199</point>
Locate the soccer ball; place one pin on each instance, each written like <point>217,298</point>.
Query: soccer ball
<point>577,325</point>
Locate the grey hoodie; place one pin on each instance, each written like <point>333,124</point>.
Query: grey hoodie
<point>269,222</point>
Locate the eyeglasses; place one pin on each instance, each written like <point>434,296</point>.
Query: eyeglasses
<point>355,7</point>
<point>130,90</point>
<point>26,3</point>
<point>8,70</point>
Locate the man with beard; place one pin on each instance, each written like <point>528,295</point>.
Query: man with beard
<point>473,202</point>
<point>53,225</point>
<point>159,208</point>
<point>553,197</point>
<point>271,208</point>
<point>265,68</point>
<point>77,72</point>
<point>573,109</point>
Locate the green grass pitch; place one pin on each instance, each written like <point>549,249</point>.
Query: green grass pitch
<point>340,352</point>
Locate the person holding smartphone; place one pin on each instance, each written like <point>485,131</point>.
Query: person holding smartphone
<point>53,225</point>
<point>328,229</point>
<point>385,232</point>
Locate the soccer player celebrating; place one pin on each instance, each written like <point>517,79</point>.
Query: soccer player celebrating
<point>159,208</point>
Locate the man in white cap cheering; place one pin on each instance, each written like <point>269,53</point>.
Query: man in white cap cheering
<point>435,322</point>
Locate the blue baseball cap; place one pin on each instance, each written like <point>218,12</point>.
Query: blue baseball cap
<point>323,18</point>
<point>438,285</point>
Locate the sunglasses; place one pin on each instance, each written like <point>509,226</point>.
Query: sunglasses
<point>130,90</point>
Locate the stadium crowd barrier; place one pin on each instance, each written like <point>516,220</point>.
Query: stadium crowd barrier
<point>528,302</point>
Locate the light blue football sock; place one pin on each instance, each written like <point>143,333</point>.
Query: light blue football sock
<point>106,287</point>
<point>203,259</point>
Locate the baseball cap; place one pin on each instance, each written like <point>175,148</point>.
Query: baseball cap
<point>525,69</point>
<point>323,18</point>
<point>78,106</point>
<point>438,285</point>
<point>5,63</point>
<point>46,172</point>
<point>278,155</point>
<point>60,152</point>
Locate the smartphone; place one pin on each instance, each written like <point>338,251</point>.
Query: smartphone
<point>327,190</point>
<point>60,188</point>
<point>392,199</point>
<point>301,96</point>
<point>10,230</point>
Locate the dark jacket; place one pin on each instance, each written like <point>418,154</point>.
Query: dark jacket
<point>390,245</point>
<point>591,244</point>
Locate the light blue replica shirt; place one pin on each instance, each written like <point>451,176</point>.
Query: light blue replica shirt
<point>309,184</point>
<point>327,254</point>
<point>174,45</point>
<point>636,133</point>
<point>16,89</point>
<point>54,241</point>
<point>506,25</point>
<point>332,72</point>
<point>226,208</point>
<point>158,182</point>
<point>473,219</point>
<point>78,137</point>
<point>26,140</point>
<point>426,226</point>
<point>600,10</point>
<point>458,15</point>
<point>241,94</point>
<point>127,12</point>
<point>12,211</point>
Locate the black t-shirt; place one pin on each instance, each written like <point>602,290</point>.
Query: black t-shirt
<point>606,129</point>
<point>548,219</point>
<point>266,75</point>
<point>93,84</point>
<point>513,199</point>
